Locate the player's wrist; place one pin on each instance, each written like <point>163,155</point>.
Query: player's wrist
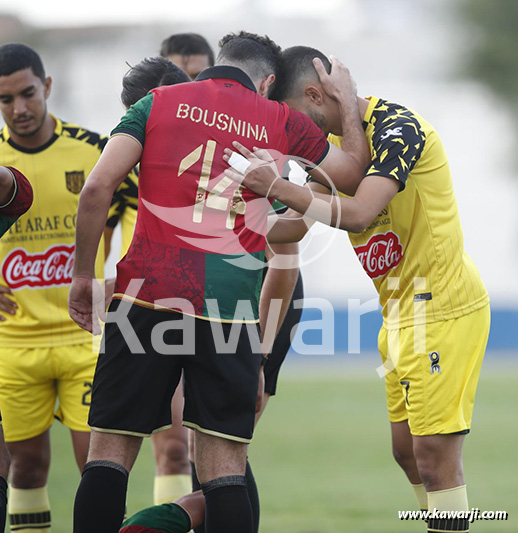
<point>279,189</point>
<point>83,276</point>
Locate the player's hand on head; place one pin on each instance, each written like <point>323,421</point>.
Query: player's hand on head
<point>339,82</point>
<point>255,170</point>
<point>86,304</point>
<point>7,305</point>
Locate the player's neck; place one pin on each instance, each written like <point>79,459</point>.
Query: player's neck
<point>363,104</point>
<point>39,138</point>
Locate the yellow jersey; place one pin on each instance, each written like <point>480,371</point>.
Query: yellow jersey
<point>124,210</point>
<point>36,254</point>
<point>414,250</point>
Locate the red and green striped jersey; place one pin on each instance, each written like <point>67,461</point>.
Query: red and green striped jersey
<point>166,518</point>
<point>199,236</point>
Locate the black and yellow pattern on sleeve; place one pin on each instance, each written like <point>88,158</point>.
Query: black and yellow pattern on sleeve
<point>81,134</point>
<point>125,197</point>
<point>397,141</point>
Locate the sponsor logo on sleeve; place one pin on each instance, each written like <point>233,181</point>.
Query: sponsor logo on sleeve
<point>395,132</point>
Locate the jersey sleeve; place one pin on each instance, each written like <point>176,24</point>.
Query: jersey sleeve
<point>22,197</point>
<point>133,123</point>
<point>305,138</point>
<point>397,147</point>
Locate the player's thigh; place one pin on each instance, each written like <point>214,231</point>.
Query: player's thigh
<point>27,392</point>
<point>441,376</point>
<point>395,394</point>
<point>134,381</point>
<point>74,376</point>
<point>221,382</point>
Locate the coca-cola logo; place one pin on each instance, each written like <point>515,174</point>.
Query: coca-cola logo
<point>382,253</point>
<point>46,269</point>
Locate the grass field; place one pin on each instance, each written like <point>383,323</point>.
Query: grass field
<point>322,459</point>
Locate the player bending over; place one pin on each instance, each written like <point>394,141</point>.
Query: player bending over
<point>404,225</point>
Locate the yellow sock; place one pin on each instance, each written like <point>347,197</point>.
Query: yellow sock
<point>455,499</point>
<point>170,488</point>
<point>29,509</point>
<point>421,495</point>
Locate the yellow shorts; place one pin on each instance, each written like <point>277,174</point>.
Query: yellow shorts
<point>435,376</point>
<point>40,384</point>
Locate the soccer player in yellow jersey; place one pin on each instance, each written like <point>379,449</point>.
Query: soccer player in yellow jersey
<point>404,225</point>
<point>43,354</point>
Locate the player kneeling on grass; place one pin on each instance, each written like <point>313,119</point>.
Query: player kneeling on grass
<point>179,516</point>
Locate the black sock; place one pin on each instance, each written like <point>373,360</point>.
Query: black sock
<point>3,503</point>
<point>101,498</point>
<point>227,506</point>
<point>253,494</point>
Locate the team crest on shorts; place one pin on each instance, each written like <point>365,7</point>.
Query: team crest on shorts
<point>434,359</point>
<point>75,180</point>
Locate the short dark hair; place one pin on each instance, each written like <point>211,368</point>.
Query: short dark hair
<point>17,56</point>
<point>151,72</point>
<point>260,55</point>
<point>187,44</point>
<point>296,66</point>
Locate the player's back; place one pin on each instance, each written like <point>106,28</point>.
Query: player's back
<point>194,223</point>
<point>183,160</point>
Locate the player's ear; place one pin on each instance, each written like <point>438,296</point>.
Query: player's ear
<point>314,94</point>
<point>265,85</point>
<point>47,85</point>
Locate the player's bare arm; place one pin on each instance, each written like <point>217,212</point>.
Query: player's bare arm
<point>120,155</point>
<point>350,214</point>
<point>279,284</point>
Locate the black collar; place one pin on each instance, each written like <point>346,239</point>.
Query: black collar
<point>227,72</point>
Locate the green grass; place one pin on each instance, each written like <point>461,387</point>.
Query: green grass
<point>322,458</point>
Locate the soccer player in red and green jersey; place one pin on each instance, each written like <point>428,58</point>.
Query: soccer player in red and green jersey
<point>195,253</point>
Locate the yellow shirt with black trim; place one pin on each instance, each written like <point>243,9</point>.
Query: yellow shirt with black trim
<point>124,209</point>
<point>35,254</point>
<point>414,248</point>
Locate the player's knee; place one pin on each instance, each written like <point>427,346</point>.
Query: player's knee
<point>428,472</point>
<point>174,456</point>
<point>5,462</point>
<point>404,458</point>
<point>29,469</point>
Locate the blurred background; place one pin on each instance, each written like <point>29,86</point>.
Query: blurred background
<point>456,63</point>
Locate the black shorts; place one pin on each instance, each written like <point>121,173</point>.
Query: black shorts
<point>282,342</point>
<point>132,391</point>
